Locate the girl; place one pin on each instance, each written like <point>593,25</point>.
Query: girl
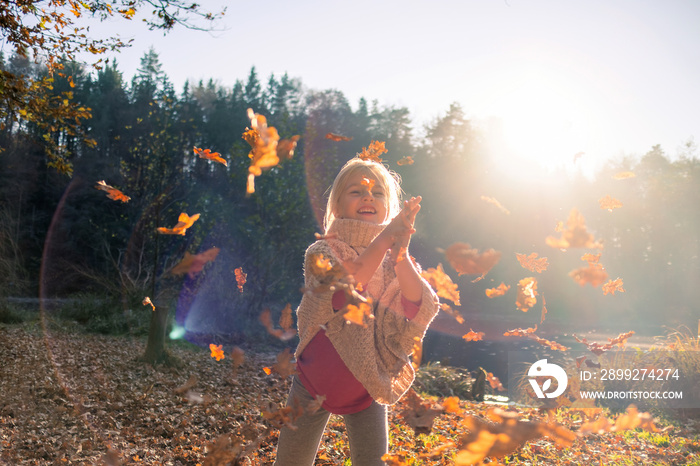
<point>358,369</point>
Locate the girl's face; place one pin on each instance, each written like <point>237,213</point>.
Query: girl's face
<point>362,199</point>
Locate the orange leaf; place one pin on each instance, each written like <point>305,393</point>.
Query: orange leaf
<point>612,286</point>
<point>473,336</point>
<point>495,202</point>
<point>544,309</point>
<point>375,149</point>
<point>146,301</point>
<point>209,155</point>
<point>283,366</point>
<point>609,203</point>
<point>494,382</point>
<point>193,264</point>
<point>527,292</point>
<point>500,290</point>
<point>574,235</point>
<point>216,351</point>
<point>183,223</point>
<point>241,278</point>
<point>408,160</point>
<point>594,274</point>
<point>368,183</point>
<point>458,317</point>
<point>624,175</point>
<point>419,414</point>
<point>356,314</point>
<point>112,193</point>
<point>337,137</point>
<point>532,263</point>
<point>468,261</point>
<point>442,284</point>
<point>519,332</point>
<point>451,405</point>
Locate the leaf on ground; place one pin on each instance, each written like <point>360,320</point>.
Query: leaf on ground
<point>419,414</point>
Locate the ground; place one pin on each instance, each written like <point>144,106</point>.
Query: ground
<point>74,398</point>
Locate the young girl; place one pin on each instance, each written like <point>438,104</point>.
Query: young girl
<point>358,369</point>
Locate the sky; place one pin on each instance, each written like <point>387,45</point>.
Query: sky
<point>550,78</point>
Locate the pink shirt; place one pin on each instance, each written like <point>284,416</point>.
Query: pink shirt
<point>323,372</point>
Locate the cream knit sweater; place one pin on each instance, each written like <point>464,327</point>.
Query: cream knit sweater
<point>377,355</point>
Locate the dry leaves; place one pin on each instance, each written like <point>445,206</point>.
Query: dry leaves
<point>469,261</point>
<point>574,235</point>
<point>184,222</point>
<point>442,284</point>
<point>112,193</point>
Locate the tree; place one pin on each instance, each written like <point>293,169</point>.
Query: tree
<point>48,33</point>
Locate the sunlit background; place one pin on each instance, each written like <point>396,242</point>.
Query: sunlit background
<point>552,79</point>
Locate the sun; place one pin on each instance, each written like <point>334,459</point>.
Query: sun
<point>544,120</point>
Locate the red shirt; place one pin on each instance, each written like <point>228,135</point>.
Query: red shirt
<point>323,372</point>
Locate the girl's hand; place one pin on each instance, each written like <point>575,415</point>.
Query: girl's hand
<point>404,228</point>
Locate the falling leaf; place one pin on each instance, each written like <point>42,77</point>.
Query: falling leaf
<point>451,405</point>
<point>281,416</point>
<point>612,286</point>
<point>595,275</point>
<point>184,221</point>
<point>500,290</point>
<point>442,284</point>
<point>624,175</point>
<point>531,262</point>
<point>193,264</point>
<point>146,301</point>
<point>240,278</point>
<point>544,309</point>
<point>574,235</point>
<point>457,316</point>
<point>112,193</point>
<point>337,137</point>
<point>408,160</point>
<point>238,358</point>
<point>552,344</point>
<point>580,360</point>
<point>598,348</point>
<point>609,203</point>
<point>494,382</point>
<point>519,332</point>
<point>286,332</point>
<point>469,261</point>
<point>356,314</point>
<point>592,259</point>
<point>417,352</point>
<point>209,155</point>
<point>375,149</point>
<point>187,386</point>
<point>368,183</point>
<point>496,203</point>
<point>216,351</point>
<point>503,435</point>
<point>527,292</point>
<point>266,147</point>
<point>473,336</point>
<point>419,414</point>
<point>284,366</point>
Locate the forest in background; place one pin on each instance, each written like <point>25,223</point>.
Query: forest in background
<point>60,237</point>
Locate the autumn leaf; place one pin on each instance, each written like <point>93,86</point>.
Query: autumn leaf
<point>552,344</point>
<point>284,366</point>
<point>574,235</point>
<point>407,160</point>
<point>469,261</point>
<point>624,175</point>
<point>112,193</point>
<point>368,183</point>
<point>240,278</point>
<point>496,203</point>
<point>375,149</point>
<point>184,221</point>
<point>329,275</point>
<point>609,203</point>
<point>209,155</point>
<point>600,348</point>
<point>356,314</point>
<point>416,353</point>
<point>531,262</point>
<point>519,332</point>
<point>286,332</point>
<point>500,290</point>
<point>193,264</point>
<point>494,382</point>
<point>146,301</point>
<point>457,316</point>
<point>503,435</point>
<point>595,275</point>
<point>527,292</point>
<point>612,286</point>
<point>266,147</point>
<point>473,336</point>
<point>337,137</point>
<point>238,358</point>
<point>419,414</point>
<point>280,417</point>
<point>216,351</point>
<point>442,284</point>
<point>544,309</point>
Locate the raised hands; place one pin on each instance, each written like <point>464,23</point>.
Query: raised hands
<point>401,228</point>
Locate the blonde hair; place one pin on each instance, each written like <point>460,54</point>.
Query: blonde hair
<point>388,180</point>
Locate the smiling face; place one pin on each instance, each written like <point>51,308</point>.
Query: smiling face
<point>362,198</point>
